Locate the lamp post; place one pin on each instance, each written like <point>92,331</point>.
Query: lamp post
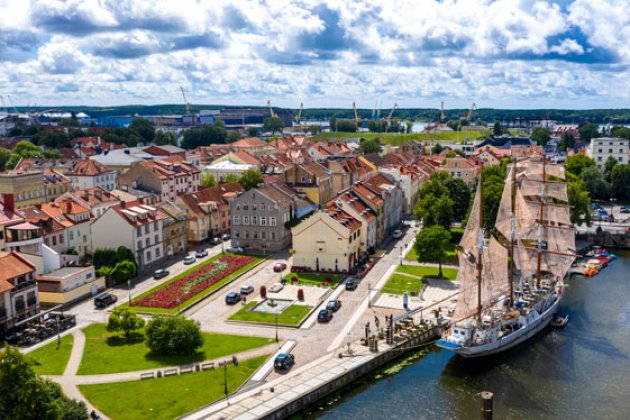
<point>58,332</point>
<point>225,382</point>
<point>276,316</point>
<point>129,290</point>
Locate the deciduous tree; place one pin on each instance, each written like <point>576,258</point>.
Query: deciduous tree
<point>207,180</point>
<point>251,179</point>
<point>541,136</point>
<point>273,124</point>
<point>577,163</point>
<point>173,336</point>
<point>124,320</point>
<point>431,245</point>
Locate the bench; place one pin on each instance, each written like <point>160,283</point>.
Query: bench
<point>170,372</point>
<point>186,369</point>
<point>206,366</point>
<point>147,375</point>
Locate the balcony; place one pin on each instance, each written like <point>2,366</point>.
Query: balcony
<point>23,234</point>
<point>3,314</point>
<point>19,307</point>
<point>23,286</point>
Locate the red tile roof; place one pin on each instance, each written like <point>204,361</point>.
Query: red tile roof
<point>248,142</point>
<point>217,194</point>
<point>88,167</point>
<point>344,218</point>
<point>13,265</point>
<point>136,208</point>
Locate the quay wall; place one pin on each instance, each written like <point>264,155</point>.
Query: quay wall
<point>342,380</point>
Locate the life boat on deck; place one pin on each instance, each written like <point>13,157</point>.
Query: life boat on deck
<point>590,271</point>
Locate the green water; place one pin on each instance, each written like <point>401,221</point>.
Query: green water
<point>579,372</point>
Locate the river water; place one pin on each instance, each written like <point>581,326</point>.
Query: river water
<point>579,372</point>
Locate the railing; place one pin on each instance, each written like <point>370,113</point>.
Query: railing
<point>24,285</point>
<point>31,302</point>
<point>20,306</point>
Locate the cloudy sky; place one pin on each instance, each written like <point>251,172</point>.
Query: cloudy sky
<point>504,53</point>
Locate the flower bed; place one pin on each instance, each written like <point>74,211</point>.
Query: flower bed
<point>193,283</point>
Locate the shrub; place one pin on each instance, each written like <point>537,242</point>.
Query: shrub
<point>300,294</point>
<point>263,291</point>
<point>124,320</point>
<point>168,336</point>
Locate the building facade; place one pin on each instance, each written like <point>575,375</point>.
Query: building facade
<point>88,173</point>
<point>18,289</point>
<point>27,187</point>
<point>602,148</point>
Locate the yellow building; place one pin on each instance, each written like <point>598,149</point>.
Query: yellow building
<point>327,241</point>
<point>27,187</point>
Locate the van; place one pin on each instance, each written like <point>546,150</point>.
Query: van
<point>104,300</point>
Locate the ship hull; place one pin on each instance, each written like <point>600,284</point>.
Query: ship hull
<point>508,342</point>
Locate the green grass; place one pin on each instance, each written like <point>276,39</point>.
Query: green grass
<point>314,279</point>
<point>399,284</point>
<point>199,295</point>
<point>427,271</point>
<point>169,397</point>
<point>107,352</point>
<point>397,139</point>
<point>291,316</point>
<point>451,258</point>
<point>50,359</point>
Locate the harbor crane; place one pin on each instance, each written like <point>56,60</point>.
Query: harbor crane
<point>356,114</point>
<point>468,116</point>
<point>271,113</point>
<point>12,104</point>
<point>389,116</point>
<point>442,116</point>
<point>4,106</point>
<point>187,105</point>
<point>298,118</point>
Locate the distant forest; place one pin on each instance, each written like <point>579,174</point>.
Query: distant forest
<point>598,116</point>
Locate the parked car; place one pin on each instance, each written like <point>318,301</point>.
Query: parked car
<point>247,289</point>
<point>235,250</point>
<point>201,253</point>
<point>279,267</point>
<point>334,305</point>
<point>276,287</point>
<point>232,298</point>
<point>226,237</point>
<point>104,300</point>
<point>596,206</point>
<point>189,259</point>
<point>397,234</point>
<point>625,209</point>
<point>284,361</point>
<point>351,284</point>
<point>158,274</point>
<point>216,240</point>
<point>325,315</point>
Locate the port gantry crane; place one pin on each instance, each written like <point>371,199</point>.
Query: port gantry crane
<point>356,114</point>
<point>389,116</point>
<point>468,117</point>
<point>298,118</point>
<point>187,106</point>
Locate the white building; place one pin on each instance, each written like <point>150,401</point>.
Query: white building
<point>601,148</point>
<point>86,173</point>
<point>134,225</point>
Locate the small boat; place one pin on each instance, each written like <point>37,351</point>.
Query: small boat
<point>609,255</point>
<point>590,271</point>
<point>559,321</point>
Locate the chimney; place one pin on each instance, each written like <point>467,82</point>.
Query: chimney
<point>9,202</point>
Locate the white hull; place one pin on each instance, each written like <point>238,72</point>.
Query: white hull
<point>511,340</point>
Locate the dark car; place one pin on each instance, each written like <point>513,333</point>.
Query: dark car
<point>279,267</point>
<point>216,240</point>
<point>104,300</point>
<point>284,361</point>
<point>324,315</point>
<point>351,284</point>
<point>333,305</point>
<point>158,274</point>
<point>232,298</point>
<point>625,210</point>
<point>226,237</point>
<point>200,253</point>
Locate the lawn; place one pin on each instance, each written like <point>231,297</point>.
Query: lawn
<point>198,296</point>
<point>314,279</point>
<point>169,397</point>
<point>399,284</point>
<point>451,256</point>
<point>397,139</point>
<point>292,316</point>
<point>427,271</point>
<point>50,359</point>
<point>107,352</point>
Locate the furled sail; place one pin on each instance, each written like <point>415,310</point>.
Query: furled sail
<point>556,190</point>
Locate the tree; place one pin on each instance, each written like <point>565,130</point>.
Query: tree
<point>234,136</point>
<point>165,138</point>
<point>333,123</point>
<point>252,132</point>
<point>588,132</point>
<point>251,179</point>
<point>370,146</point>
<point>346,126</point>
<point>124,320</point>
<point>173,336</point>
<point>497,130</point>
<point>5,155</point>
<point>409,126</point>
<point>620,131</point>
<point>437,149</point>
<point>621,182</point>
<point>610,164</point>
<point>541,136</point>
<point>205,135</point>
<point>594,183</point>
<point>577,163</point>
<point>207,180</point>
<point>273,124</point>
<point>142,128</point>
<point>124,254</point>
<point>123,271</point>
<point>24,395</point>
<point>459,193</point>
<point>431,245</point>
<point>579,200</point>
<point>54,139</point>
<point>104,257</point>
<point>230,178</point>
<point>376,126</point>
<point>25,148</point>
<point>567,141</point>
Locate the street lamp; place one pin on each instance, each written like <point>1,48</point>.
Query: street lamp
<point>129,290</point>
<point>225,382</point>
<point>276,316</point>
<point>58,332</point>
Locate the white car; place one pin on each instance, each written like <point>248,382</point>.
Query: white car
<point>276,287</point>
<point>235,250</point>
<point>397,234</point>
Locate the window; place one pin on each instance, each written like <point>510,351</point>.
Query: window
<point>245,220</point>
<point>54,241</point>
<point>263,235</point>
<point>157,252</point>
<point>245,207</point>
<point>155,226</point>
<point>238,207</point>
<point>273,236</point>
<point>149,255</point>
<point>254,220</point>
<point>235,221</point>
<point>71,235</point>
<point>620,150</point>
<point>272,221</point>
<point>84,238</point>
<point>147,242</point>
<point>253,206</point>
<point>599,158</point>
<point>610,151</point>
<point>139,244</point>
<point>269,208</point>
<point>246,234</point>
<point>619,159</point>
<point>262,206</point>
<point>599,150</point>
<point>263,221</point>
<point>157,239</point>
<point>255,235</point>
<point>146,229</point>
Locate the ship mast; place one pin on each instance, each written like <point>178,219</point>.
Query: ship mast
<point>541,222</point>
<point>480,245</point>
<point>512,195</point>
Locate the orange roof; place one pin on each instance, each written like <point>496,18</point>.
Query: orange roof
<point>247,157</point>
<point>249,142</point>
<point>88,167</point>
<point>13,265</point>
<point>363,191</point>
<point>344,218</point>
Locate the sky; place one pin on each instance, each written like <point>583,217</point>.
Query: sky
<point>416,53</point>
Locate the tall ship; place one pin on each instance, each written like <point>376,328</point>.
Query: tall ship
<point>511,278</point>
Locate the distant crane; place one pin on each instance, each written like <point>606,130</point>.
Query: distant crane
<point>12,104</point>
<point>4,106</point>
<point>389,116</point>
<point>468,117</point>
<point>298,119</point>
<point>442,116</point>
<point>187,105</point>
<point>356,114</point>
<point>271,113</point>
